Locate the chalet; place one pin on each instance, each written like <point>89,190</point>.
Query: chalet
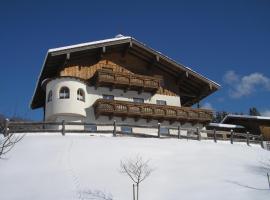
<point>120,79</point>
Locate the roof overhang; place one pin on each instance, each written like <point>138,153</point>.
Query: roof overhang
<point>55,58</point>
<point>251,123</point>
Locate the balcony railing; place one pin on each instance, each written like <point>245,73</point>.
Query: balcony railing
<point>126,81</point>
<point>151,111</point>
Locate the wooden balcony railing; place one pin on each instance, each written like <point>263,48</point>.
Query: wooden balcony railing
<point>126,81</point>
<point>151,111</point>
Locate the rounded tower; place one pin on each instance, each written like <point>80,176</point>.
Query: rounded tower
<point>65,99</point>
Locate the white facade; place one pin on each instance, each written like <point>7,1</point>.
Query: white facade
<point>72,109</point>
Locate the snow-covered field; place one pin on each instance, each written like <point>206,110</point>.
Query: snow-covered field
<point>53,167</point>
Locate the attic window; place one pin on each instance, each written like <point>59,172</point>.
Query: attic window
<point>64,93</point>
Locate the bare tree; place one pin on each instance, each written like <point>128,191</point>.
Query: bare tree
<point>137,170</point>
<point>7,143</point>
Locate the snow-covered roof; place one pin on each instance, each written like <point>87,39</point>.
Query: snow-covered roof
<point>88,43</point>
<point>225,125</point>
<point>245,117</point>
<point>120,37</point>
<point>56,55</point>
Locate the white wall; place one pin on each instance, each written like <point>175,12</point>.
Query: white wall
<point>74,110</point>
<point>60,107</point>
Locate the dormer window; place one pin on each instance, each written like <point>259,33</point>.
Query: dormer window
<point>64,93</point>
<point>80,95</point>
<point>49,98</point>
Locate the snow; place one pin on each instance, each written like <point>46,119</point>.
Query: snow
<point>245,117</point>
<point>89,43</point>
<point>225,125</point>
<point>51,166</point>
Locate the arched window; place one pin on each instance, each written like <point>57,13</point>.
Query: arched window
<point>64,93</point>
<point>80,95</point>
<point>49,98</point>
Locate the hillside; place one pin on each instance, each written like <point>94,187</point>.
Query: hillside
<point>47,167</point>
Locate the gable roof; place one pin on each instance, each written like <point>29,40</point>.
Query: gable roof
<point>57,56</point>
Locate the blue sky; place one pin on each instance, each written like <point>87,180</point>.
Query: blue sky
<point>227,41</point>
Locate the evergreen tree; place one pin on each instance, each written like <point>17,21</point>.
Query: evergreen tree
<point>254,112</point>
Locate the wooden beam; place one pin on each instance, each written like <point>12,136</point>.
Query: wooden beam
<point>150,60</point>
<point>187,94</point>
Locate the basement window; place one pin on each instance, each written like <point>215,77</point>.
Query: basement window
<point>164,131</point>
<point>126,129</point>
<point>64,93</point>
<point>161,102</point>
<point>80,95</point>
<point>91,128</point>
<point>109,97</point>
<point>138,100</point>
<point>49,96</point>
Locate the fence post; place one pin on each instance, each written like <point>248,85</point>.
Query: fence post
<point>179,132</point>
<point>268,180</point>
<point>63,128</point>
<point>199,134</point>
<point>215,135</point>
<point>261,137</point>
<point>231,136</point>
<point>247,138</point>
<point>6,132</point>
<point>158,130</point>
<point>114,128</point>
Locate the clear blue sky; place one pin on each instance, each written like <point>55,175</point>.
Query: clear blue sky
<point>227,41</point>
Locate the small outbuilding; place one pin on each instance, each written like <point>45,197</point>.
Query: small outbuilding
<point>257,125</point>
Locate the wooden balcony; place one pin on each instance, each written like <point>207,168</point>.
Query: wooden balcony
<point>126,81</point>
<point>126,109</point>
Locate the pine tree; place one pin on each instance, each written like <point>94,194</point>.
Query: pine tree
<point>254,112</point>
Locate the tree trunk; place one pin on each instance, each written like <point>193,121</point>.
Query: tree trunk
<point>134,192</point>
<point>137,191</point>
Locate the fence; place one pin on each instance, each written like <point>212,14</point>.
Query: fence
<point>118,129</point>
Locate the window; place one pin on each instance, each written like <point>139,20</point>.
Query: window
<point>109,97</point>
<point>126,129</point>
<point>138,100</point>
<point>49,96</point>
<point>80,95</point>
<point>91,128</point>
<point>161,102</point>
<point>64,93</point>
<point>164,131</point>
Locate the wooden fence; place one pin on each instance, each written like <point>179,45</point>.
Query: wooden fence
<point>116,130</point>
